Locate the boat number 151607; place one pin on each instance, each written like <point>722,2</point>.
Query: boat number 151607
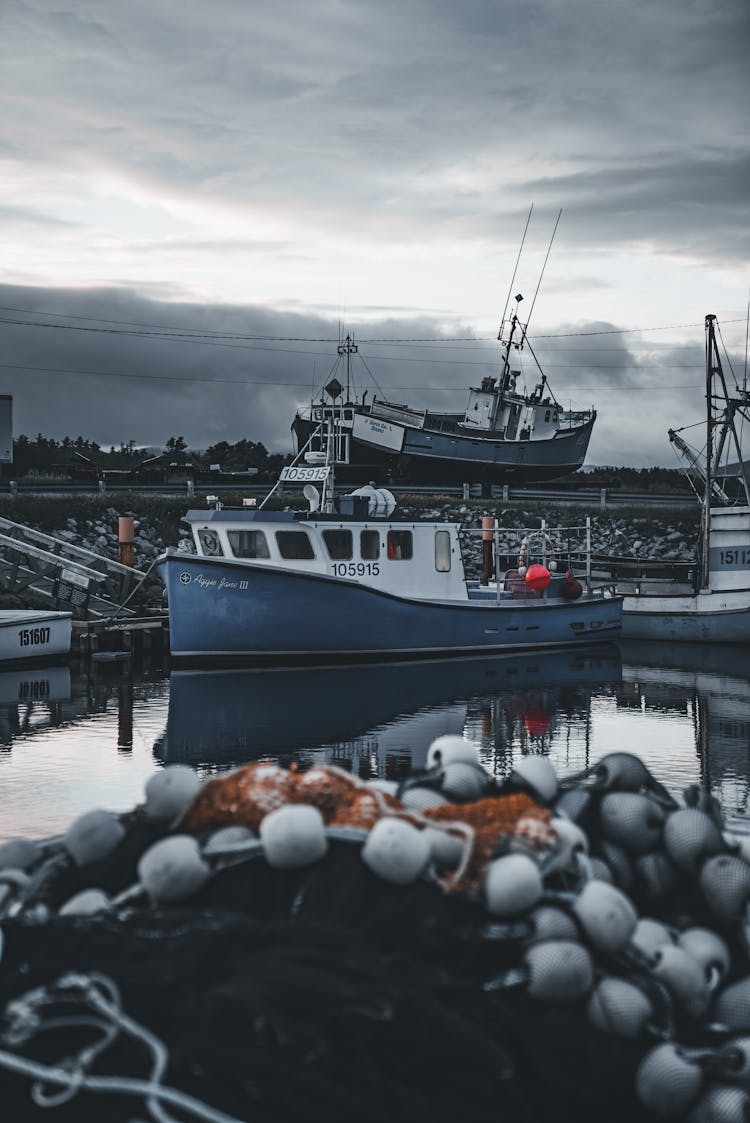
<point>356,569</point>
<point>32,637</point>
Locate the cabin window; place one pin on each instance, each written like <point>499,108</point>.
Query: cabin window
<point>442,551</point>
<point>248,543</point>
<point>400,545</point>
<point>369,545</point>
<point>546,415</point>
<point>339,544</point>
<point>294,545</point>
<point>210,543</point>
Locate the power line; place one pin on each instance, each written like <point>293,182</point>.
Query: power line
<point>306,385</point>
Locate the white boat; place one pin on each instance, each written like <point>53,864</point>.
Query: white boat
<point>715,606</point>
<point>348,579</point>
<point>29,634</point>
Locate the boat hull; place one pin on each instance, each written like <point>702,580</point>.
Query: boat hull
<point>29,635</point>
<point>220,609</point>
<point>449,458</point>
<point>705,618</point>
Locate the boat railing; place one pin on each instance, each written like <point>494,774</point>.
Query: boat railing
<point>550,546</point>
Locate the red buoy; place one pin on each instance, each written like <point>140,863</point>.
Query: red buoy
<point>538,577</point>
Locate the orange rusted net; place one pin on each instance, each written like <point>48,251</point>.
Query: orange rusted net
<point>247,795</point>
<point>490,821</point>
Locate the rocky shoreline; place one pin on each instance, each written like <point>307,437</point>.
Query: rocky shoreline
<point>660,535</point>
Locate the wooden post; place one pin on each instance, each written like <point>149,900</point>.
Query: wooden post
<point>126,534</point>
<point>488,528</point>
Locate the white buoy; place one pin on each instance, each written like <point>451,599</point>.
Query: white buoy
<point>631,820</point>
<point>732,1006</point>
<point>666,1082</point>
<point>173,869</point>
<point>550,923</point>
<point>512,884</point>
<point>86,903</point>
<point>18,853</point>
<point>721,1103</point>
<point>536,772</point>
<point>421,799</point>
<point>449,748</point>
<point>570,844</point>
<point>293,835</point>
<point>725,885</point>
<point>606,916</point>
<point>683,977</point>
<point>559,971</point>
<point>619,1007</point>
<point>396,851</point>
<point>650,935</point>
<point>464,782</point>
<point>691,835</point>
<point>228,836</point>
<point>93,836</point>
<point>709,950</point>
<point>446,849</point>
<point>170,791</point>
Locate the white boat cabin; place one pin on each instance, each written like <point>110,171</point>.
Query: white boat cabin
<point>509,415</point>
<point>408,559</point>
<point>729,549</point>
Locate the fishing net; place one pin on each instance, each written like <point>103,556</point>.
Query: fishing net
<point>322,992</point>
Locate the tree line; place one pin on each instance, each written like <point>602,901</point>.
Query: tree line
<point>45,455</point>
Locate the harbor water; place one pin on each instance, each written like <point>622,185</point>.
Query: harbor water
<point>77,736</point>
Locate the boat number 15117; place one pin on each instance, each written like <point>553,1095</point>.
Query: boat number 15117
<point>30,637</point>
<point>356,569</point>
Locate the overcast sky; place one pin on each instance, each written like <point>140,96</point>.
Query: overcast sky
<point>279,170</point>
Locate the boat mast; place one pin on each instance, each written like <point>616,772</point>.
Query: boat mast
<point>710,422</point>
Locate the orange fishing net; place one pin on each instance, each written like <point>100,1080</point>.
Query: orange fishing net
<point>247,795</point>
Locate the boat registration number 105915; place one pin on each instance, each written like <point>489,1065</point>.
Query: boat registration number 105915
<point>33,637</point>
<point>356,569</point>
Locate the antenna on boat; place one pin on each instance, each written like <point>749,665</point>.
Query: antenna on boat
<point>539,282</point>
<point>513,278</point>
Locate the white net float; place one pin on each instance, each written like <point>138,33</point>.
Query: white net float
<point>86,903</point>
<point>537,773</point>
<point>170,791</point>
<point>725,884</point>
<point>512,884</point>
<point>606,916</point>
<point>18,853</point>
<point>396,851</point>
<point>558,971</point>
<point>173,869</point>
<point>666,1082</point>
<point>619,1007</point>
<point>631,820</point>
<point>293,835</point>
<point>690,836</point>
<point>93,836</point>
<point>449,748</point>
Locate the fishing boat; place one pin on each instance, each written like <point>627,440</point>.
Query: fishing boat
<point>27,634</point>
<point>348,578</point>
<point>710,602</point>
<point>508,432</point>
<point>505,434</point>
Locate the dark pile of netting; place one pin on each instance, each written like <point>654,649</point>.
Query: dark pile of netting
<point>282,946</point>
<point>317,994</point>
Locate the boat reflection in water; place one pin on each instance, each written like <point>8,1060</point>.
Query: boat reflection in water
<point>379,719</point>
<point>709,685</point>
<point>684,708</point>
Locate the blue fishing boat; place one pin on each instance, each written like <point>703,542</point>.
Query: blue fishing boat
<point>347,578</point>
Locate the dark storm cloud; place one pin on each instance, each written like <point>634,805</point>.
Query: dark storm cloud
<point>113,386</point>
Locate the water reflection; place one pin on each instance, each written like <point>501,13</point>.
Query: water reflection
<point>379,718</point>
<point>76,737</point>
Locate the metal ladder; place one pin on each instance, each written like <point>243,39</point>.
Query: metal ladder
<point>68,577</point>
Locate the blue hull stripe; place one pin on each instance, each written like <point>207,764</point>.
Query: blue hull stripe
<point>221,609</point>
